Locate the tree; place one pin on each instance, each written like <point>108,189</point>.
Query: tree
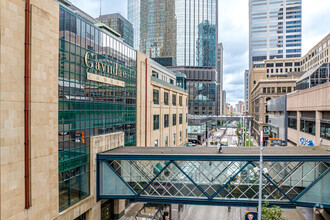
<point>273,213</point>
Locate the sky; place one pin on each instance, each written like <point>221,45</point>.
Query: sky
<point>234,33</point>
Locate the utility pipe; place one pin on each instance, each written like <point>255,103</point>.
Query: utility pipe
<point>27,125</point>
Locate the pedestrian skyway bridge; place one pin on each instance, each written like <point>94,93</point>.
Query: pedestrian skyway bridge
<point>293,176</point>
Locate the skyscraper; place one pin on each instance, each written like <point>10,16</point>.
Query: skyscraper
<point>156,28</point>
<point>162,26</point>
<point>275,29</point>
<point>118,23</point>
<point>220,76</point>
<point>206,44</point>
<point>133,16</point>
<point>190,15</point>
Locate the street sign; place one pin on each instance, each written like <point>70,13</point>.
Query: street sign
<point>251,215</point>
<point>265,129</point>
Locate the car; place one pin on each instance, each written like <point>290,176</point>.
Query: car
<point>191,144</point>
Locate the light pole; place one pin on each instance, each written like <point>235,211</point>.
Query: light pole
<point>260,176</point>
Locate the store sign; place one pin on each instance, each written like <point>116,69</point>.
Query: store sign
<point>106,80</point>
<point>306,142</point>
<point>109,68</point>
<point>265,129</point>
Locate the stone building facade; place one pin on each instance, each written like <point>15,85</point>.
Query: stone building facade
<point>162,105</point>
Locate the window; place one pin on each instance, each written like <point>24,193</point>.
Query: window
<point>156,122</point>
<point>172,81</point>
<point>283,89</point>
<point>166,141</point>
<point>165,98</point>
<point>174,119</point>
<point>156,143</point>
<point>325,130</point>
<point>166,120</point>
<point>186,117</point>
<point>174,100</point>
<point>156,96</point>
<point>292,122</point>
<point>180,100</point>
<point>264,90</point>
<point>180,136</point>
<point>279,90</point>
<point>289,89</point>
<point>155,74</point>
<point>180,119</point>
<point>307,126</point>
<point>173,139</point>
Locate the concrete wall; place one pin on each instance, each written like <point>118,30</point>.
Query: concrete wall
<point>316,99</point>
<point>44,110</point>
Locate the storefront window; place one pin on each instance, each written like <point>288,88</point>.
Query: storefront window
<point>292,122</point>
<point>325,130</point>
<point>307,126</point>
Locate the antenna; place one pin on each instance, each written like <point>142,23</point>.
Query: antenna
<point>100,8</point>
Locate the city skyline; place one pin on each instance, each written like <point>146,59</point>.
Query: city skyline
<point>236,46</point>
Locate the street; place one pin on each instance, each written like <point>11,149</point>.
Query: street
<point>216,212</point>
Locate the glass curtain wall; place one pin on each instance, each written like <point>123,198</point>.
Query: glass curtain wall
<point>158,28</point>
<point>202,98</point>
<point>190,14</point>
<point>89,108</point>
<point>275,29</point>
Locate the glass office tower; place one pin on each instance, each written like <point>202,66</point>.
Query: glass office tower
<point>275,29</point>
<point>133,16</point>
<point>186,18</point>
<point>158,28</point>
<point>190,14</point>
<point>87,106</point>
<point>206,44</point>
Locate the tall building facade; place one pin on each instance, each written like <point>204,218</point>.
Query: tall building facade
<point>246,90</point>
<point>275,29</point>
<point>191,15</point>
<point>206,44</point>
<point>186,27</point>
<point>156,28</point>
<point>220,76</point>
<point>118,23</point>
<point>203,89</point>
<point>133,16</point>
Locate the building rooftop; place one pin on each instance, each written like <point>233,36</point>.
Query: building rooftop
<point>212,152</point>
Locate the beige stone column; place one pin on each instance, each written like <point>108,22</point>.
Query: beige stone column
<point>298,127</point>
<point>119,208</point>
<point>318,117</point>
